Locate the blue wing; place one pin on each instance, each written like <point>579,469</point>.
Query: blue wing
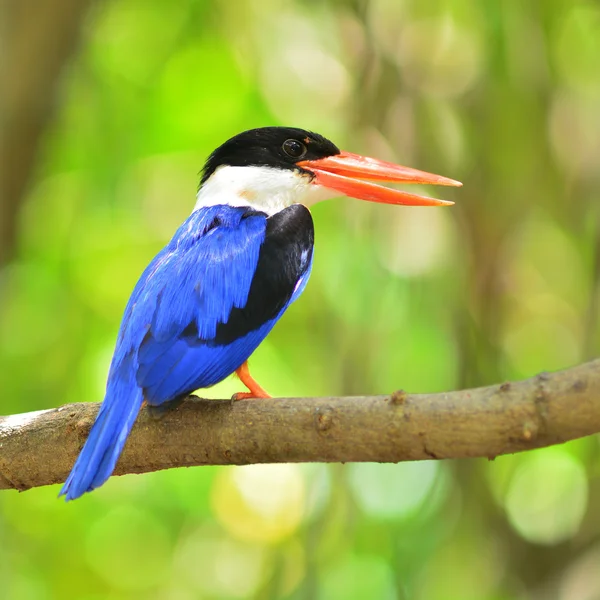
<point>230,296</point>
<point>198,312</point>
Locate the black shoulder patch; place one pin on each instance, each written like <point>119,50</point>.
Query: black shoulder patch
<point>284,258</point>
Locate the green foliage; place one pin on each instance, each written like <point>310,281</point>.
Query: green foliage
<point>501,95</point>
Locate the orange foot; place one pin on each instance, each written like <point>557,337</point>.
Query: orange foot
<point>255,390</point>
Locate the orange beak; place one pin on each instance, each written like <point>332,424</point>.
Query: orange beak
<point>343,173</point>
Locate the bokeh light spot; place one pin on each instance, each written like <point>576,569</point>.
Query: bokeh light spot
<point>574,124</point>
<point>577,49</point>
<point>129,548</point>
<point>439,57</point>
<point>217,565</point>
<point>414,241</point>
<point>547,496</point>
<point>260,503</point>
<point>391,491</point>
<point>359,578</point>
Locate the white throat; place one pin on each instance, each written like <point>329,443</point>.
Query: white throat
<point>267,189</point>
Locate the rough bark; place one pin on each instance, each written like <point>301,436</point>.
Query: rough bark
<point>39,448</point>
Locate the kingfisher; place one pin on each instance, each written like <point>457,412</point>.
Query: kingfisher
<point>211,296</point>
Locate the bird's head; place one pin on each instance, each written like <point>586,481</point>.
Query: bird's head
<point>271,168</point>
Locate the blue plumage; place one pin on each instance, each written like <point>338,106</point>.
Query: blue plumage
<point>199,310</point>
<point>211,296</point>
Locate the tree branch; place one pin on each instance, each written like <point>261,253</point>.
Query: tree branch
<point>39,448</point>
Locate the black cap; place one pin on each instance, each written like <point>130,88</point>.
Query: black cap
<point>277,147</point>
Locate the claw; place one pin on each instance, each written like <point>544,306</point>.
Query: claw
<point>256,391</point>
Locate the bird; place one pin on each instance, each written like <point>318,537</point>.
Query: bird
<point>213,293</point>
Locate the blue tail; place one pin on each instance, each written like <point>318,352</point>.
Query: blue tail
<point>99,455</point>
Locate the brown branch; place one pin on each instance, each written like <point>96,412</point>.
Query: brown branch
<point>39,448</point>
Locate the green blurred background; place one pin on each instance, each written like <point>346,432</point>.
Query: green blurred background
<point>109,109</point>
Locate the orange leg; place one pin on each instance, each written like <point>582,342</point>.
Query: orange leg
<point>255,390</point>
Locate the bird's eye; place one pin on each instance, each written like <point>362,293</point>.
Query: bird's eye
<point>294,148</point>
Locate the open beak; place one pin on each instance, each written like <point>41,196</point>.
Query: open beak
<point>343,173</point>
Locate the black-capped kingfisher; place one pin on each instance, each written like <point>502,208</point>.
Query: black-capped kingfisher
<point>211,296</point>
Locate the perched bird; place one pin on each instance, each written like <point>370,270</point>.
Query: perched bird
<point>210,297</point>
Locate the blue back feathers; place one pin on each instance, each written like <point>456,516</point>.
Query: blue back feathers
<point>199,310</point>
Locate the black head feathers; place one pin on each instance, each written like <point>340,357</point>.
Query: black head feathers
<point>277,147</point>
